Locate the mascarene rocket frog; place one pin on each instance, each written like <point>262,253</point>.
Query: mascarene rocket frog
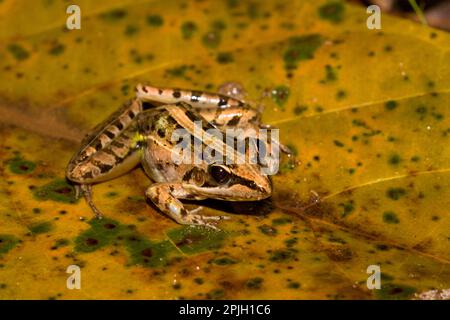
<point>142,132</point>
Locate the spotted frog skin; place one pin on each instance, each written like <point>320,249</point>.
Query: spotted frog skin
<point>140,132</point>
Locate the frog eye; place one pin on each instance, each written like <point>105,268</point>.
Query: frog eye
<point>220,173</point>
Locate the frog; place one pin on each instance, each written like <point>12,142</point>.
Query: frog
<point>141,132</point>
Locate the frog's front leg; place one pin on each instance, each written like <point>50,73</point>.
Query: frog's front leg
<point>165,196</point>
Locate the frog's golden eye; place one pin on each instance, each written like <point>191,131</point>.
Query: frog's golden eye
<point>221,174</point>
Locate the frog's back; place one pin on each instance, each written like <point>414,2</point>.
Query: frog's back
<point>163,136</point>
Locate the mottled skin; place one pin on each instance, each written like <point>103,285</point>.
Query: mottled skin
<point>113,149</point>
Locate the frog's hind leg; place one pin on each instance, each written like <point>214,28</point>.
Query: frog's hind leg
<point>109,151</point>
<point>232,117</point>
<point>197,99</point>
<point>285,149</point>
<point>86,191</point>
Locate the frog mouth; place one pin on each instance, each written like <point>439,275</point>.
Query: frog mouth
<point>238,193</point>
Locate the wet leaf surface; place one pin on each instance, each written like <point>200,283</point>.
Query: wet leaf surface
<point>366,112</point>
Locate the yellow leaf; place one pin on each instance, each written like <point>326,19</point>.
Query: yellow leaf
<point>365,111</point>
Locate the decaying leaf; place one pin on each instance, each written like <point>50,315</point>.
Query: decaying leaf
<point>365,111</point>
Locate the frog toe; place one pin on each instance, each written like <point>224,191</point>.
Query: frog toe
<point>207,221</point>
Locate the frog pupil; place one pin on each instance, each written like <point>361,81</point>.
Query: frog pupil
<point>219,174</point>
